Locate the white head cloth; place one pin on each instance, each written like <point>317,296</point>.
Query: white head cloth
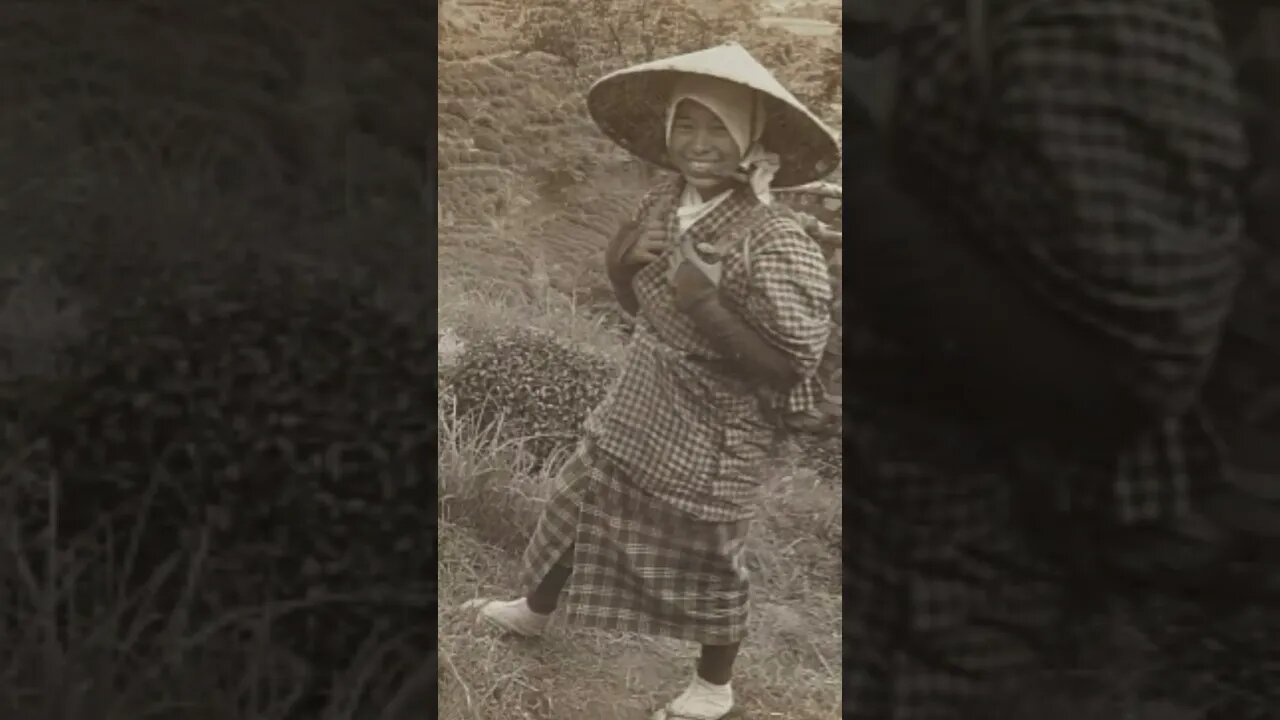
<point>741,109</point>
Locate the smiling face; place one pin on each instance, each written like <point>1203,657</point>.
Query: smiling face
<point>702,149</point>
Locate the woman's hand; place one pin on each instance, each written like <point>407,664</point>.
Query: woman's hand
<point>649,244</point>
<point>636,246</point>
<point>632,248</point>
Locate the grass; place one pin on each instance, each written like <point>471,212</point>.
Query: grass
<point>468,302</point>
<point>104,158</point>
<point>791,664</point>
<point>489,501</point>
<point>790,667</point>
<point>78,639</point>
<point>83,637</point>
<point>85,634</point>
<point>488,506</point>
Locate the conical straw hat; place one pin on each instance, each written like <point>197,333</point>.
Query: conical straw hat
<point>630,106</point>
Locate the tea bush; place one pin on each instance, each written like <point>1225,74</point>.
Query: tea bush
<point>538,386</point>
<point>286,414</point>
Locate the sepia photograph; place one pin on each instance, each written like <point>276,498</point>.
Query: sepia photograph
<point>640,360</point>
<point>216,371</point>
<point>1062,409</point>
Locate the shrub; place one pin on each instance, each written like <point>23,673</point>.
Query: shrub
<point>287,415</point>
<point>538,386</point>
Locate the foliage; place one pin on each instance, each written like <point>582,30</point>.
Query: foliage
<point>828,12</point>
<point>607,34</point>
<point>287,414</point>
<point>551,186</point>
<point>250,93</point>
<point>144,150</point>
<point>535,385</point>
<point>628,31</point>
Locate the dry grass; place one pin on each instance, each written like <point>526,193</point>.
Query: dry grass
<point>489,501</point>
<point>104,159</point>
<point>78,640</point>
<point>470,302</point>
<point>81,637</point>
<point>512,258</point>
<point>790,667</point>
<point>489,504</point>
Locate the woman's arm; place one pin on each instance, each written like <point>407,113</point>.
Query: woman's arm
<point>737,341</point>
<point>638,242</point>
<point>621,276</point>
<point>782,330</point>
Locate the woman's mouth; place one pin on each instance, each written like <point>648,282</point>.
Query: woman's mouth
<point>702,167</point>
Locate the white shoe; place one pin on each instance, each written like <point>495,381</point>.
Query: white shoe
<point>700,701</point>
<point>513,616</point>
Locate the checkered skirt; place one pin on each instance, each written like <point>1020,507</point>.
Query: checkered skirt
<point>639,565</point>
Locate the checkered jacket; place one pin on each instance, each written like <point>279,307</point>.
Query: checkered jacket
<point>680,428</point>
<point>1103,171</point>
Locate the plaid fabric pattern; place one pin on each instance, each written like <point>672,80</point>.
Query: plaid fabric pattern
<point>682,430</point>
<point>945,600</point>
<point>637,566</point>
<point>1102,172</point>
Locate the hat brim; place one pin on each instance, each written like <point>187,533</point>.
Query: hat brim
<point>629,106</point>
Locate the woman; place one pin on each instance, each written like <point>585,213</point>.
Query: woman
<point>732,300</point>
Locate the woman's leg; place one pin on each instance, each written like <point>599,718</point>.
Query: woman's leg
<point>546,596</point>
<point>529,615</point>
<point>709,694</point>
<point>548,559</point>
<point>716,663</point>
